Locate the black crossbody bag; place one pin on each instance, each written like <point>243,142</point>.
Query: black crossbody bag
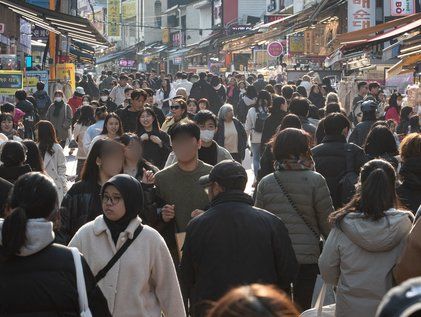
<point>101,274</point>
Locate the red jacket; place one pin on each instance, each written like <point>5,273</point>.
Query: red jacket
<point>74,103</point>
<point>392,113</point>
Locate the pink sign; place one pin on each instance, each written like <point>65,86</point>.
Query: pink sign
<point>275,49</point>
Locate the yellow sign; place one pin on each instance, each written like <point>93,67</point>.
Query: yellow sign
<point>113,10</point>
<point>165,36</point>
<point>66,74</point>
<point>10,81</point>
<point>128,9</point>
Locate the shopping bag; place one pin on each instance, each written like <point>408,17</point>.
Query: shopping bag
<point>179,238</point>
<point>319,310</point>
<point>330,295</point>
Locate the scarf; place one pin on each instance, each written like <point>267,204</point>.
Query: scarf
<point>248,101</point>
<point>231,91</point>
<point>57,108</point>
<point>295,164</point>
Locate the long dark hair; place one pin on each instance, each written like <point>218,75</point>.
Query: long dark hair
<point>100,149</point>
<point>46,137</point>
<point>155,125</point>
<point>13,154</point>
<point>87,117</point>
<point>375,193</point>
<point>263,95</point>
<point>380,140</point>
<point>34,195</point>
<point>120,124</point>
<point>33,156</point>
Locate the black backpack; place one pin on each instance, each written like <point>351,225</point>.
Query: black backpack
<point>350,178</point>
<point>260,120</point>
<point>42,102</point>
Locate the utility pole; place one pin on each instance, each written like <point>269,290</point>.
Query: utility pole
<point>52,43</point>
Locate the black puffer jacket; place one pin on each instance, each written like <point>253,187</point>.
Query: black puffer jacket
<point>42,283</point>
<point>330,159</point>
<point>410,190</point>
<point>360,133</point>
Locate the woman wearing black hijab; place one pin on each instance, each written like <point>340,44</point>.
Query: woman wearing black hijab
<point>143,282</point>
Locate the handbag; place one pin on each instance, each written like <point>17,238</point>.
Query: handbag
<point>319,310</point>
<point>81,286</point>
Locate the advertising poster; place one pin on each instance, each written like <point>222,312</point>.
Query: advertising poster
<point>361,14</point>
<point>33,77</point>
<point>66,74</point>
<point>113,17</point>
<point>400,8</point>
<point>10,81</point>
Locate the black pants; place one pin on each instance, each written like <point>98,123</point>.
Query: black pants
<point>304,285</point>
<point>236,157</point>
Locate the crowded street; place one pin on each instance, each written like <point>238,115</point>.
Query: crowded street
<point>210,158</point>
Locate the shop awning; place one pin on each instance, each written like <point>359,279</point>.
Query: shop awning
<point>112,56</point>
<point>75,27</point>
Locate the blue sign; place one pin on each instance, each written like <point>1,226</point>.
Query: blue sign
<point>40,3</point>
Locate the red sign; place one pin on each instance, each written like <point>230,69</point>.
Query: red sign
<point>2,28</point>
<point>275,49</point>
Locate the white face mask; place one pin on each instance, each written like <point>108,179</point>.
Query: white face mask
<point>104,98</point>
<point>206,135</point>
<point>243,90</point>
<point>58,99</point>
<point>85,103</point>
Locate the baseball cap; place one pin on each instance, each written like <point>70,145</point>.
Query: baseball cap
<point>80,90</point>
<point>402,301</point>
<point>225,172</point>
<point>368,105</point>
<point>105,92</point>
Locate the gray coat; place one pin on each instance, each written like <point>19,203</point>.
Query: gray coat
<point>310,194</point>
<point>62,122</point>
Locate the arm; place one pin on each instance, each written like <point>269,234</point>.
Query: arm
<point>164,279</point>
<point>249,122</point>
<point>63,235</point>
<point>61,167</point>
<point>68,118</point>
<point>87,139</point>
<point>76,131</point>
<point>329,261</point>
<point>323,205</point>
<point>259,203</point>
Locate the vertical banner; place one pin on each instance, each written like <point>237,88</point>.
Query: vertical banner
<point>402,7</point>
<point>66,74</point>
<point>113,12</point>
<point>361,14</point>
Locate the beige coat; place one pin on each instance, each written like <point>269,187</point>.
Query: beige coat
<point>359,258</point>
<point>143,282</point>
<point>55,167</point>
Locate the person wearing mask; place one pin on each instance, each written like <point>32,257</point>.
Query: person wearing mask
<point>254,300</point>
<point>356,113</point>
<point>111,130</point>
<point>409,190</point>
<point>144,281</point>
<point>247,101</point>
<point>129,115</point>
<point>28,253</point>
<point>164,95</point>
<point>226,234</point>
<point>367,238</point>
<point>179,114</point>
<point>42,99</point>
<point>81,203</point>
<point>118,92</point>
<point>23,104</point>
<point>301,198</point>
<point>210,152</point>
<point>60,115</point>
<point>359,134</point>
<point>316,97</point>
<point>13,157</point>
<point>53,156</point>
<point>105,100</point>
<point>231,134</point>
<point>277,112</point>
<point>255,121</point>
<point>85,120</point>
<point>381,143</point>
<point>181,202</point>
<point>96,128</point>
<point>260,83</point>
<point>394,109</point>
<point>155,142</point>
<point>76,101</point>
<point>333,155</point>
<point>301,107</point>
<point>217,95</point>
<point>233,93</point>
<point>200,89</point>
<point>7,128</point>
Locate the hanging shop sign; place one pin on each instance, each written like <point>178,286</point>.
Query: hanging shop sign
<point>10,81</point>
<point>237,28</point>
<point>275,49</point>
<point>402,7</point>
<point>296,43</point>
<point>217,12</point>
<point>31,79</point>
<point>361,14</point>
<point>128,9</point>
<point>113,11</point>
<point>127,63</point>
<point>2,28</point>
<point>66,73</point>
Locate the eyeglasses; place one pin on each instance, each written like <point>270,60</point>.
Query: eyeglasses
<point>113,200</point>
<point>175,107</point>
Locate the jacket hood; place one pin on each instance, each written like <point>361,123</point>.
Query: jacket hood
<point>377,236</point>
<point>39,235</point>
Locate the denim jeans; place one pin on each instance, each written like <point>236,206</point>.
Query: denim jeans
<point>255,149</point>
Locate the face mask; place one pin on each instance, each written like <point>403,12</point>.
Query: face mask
<point>104,98</point>
<point>58,99</point>
<point>242,90</point>
<point>85,103</point>
<point>206,135</point>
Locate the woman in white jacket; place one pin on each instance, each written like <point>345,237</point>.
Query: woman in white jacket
<point>143,282</point>
<point>53,156</point>
<point>365,243</point>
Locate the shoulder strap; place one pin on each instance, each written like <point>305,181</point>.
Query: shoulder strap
<point>81,286</point>
<point>294,206</point>
<point>101,274</point>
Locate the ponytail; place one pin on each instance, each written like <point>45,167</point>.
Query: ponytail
<point>377,194</point>
<point>14,232</point>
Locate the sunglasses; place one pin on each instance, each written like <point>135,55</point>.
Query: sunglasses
<point>175,107</point>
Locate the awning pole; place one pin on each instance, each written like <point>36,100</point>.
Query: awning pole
<point>52,42</point>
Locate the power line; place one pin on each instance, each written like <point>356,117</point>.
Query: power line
<point>135,25</point>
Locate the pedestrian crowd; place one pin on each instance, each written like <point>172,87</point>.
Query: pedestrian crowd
<point>157,221</point>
